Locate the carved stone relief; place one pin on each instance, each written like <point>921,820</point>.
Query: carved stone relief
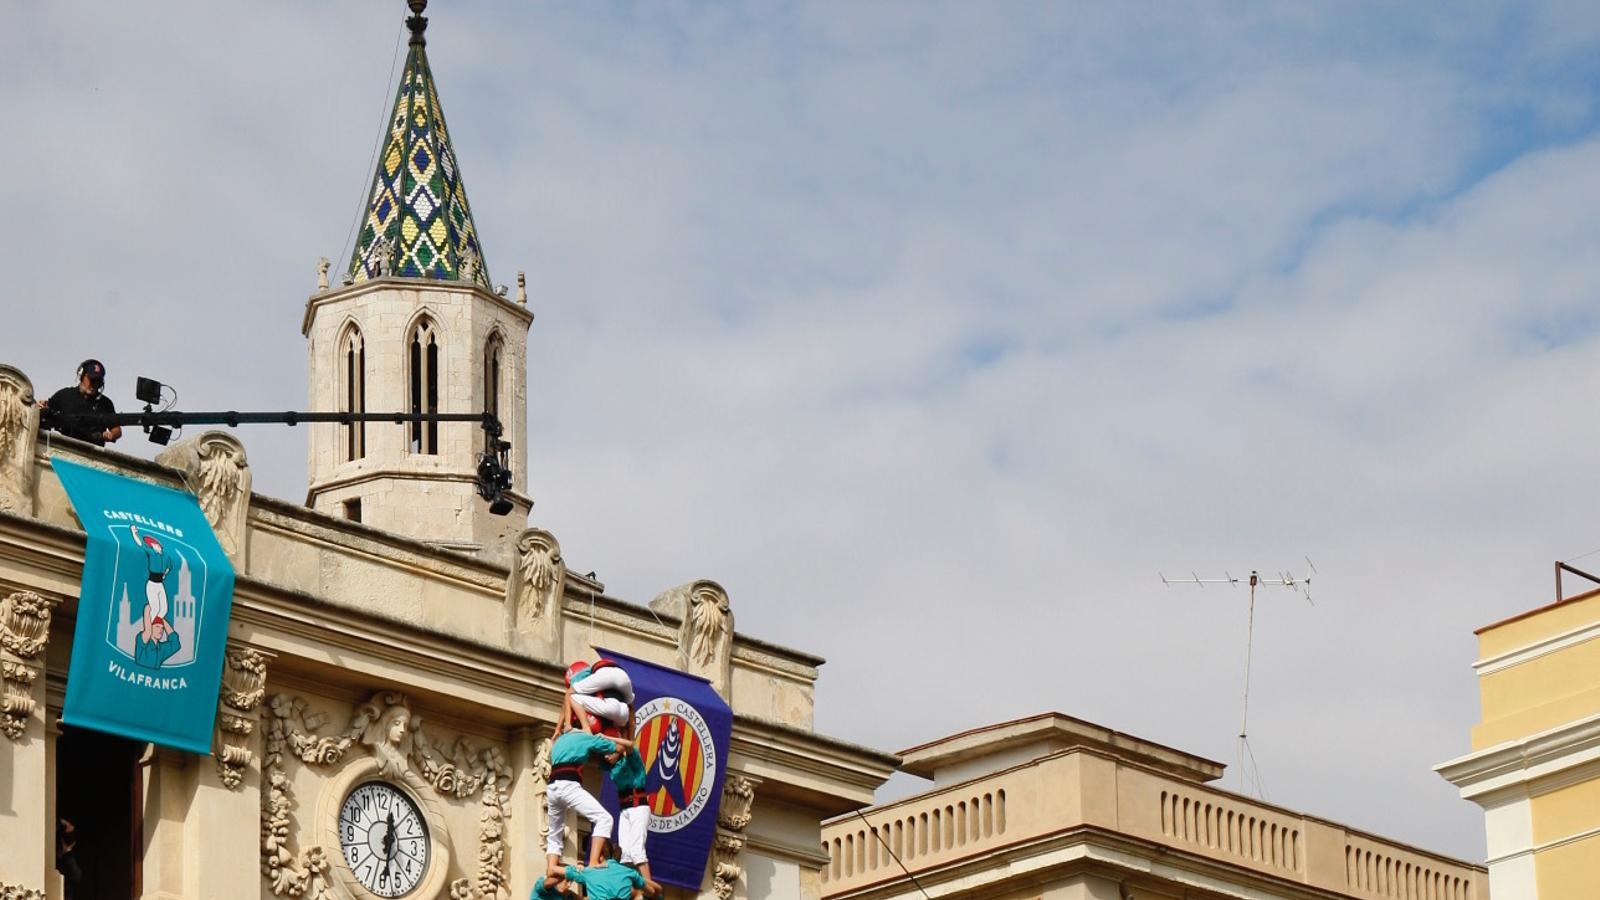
<point>738,794</point>
<point>386,726</point>
<point>24,631</point>
<point>18,892</point>
<point>244,680</point>
<point>537,582</point>
<point>19,428</point>
<point>705,637</point>
<point>541,778</point>
<point>215,467</point>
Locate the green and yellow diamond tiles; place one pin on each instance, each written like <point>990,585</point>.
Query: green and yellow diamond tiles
<point>417,222</point>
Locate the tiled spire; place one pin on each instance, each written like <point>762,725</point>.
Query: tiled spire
<point>417,222</point>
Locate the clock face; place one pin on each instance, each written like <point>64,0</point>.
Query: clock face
<point>384,839</point>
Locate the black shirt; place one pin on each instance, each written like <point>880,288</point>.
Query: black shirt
<point>71,401</point>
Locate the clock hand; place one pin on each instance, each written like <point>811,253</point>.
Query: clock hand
<point>388,845</point>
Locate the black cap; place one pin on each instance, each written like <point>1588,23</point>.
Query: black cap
<point>93,369</point>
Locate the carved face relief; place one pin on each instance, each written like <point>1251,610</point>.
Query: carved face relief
<point>399,720</point>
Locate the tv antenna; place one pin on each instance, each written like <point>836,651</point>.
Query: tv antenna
<point>1282,579</point>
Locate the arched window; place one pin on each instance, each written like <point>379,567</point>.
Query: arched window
<point>353,390</point>
<point>423,365</point>
<point>493,353</point>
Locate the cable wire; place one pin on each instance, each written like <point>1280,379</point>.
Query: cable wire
<point>376,147</point>
<point>1573,559</point>
<point>892,855</point>
<point>1261,786</point>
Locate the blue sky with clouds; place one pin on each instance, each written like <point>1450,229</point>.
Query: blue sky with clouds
<point>934,331</point>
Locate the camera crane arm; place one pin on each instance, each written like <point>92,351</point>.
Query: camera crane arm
<point>174,419</point>
<point>494,472</point>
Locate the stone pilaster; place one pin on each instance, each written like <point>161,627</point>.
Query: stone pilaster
<point>19,429</point>
<point>530,766</point>
<point>171,844</point>
<point>705,632</point>
<point>25,829</point>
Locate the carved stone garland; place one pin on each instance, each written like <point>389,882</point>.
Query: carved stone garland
<point>18,892</point>
<point>24,631</point>
<point>291,727</point>
<point>244,679</point>
<point>541,779</point>
<point>738,794</point>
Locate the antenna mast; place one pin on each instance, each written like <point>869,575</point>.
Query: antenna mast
<point>1282,579</point>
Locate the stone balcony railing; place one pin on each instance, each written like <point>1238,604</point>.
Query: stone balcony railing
<point>1039,804</point>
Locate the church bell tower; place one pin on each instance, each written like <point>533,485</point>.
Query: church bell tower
<point>415,326</point>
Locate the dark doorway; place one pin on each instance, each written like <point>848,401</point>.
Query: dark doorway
<point>96,781</point>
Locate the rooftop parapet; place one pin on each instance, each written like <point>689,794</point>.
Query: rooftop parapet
<point>1100,806</point>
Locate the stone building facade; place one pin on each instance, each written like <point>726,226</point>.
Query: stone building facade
<point>357,653</point>
<point>389,629</point>
<point>1056,808</point>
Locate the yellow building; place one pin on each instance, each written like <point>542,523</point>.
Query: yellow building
<point>1535,760</point>
<point>1056,808</point>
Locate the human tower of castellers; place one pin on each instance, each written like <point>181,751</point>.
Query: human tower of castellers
<point>597,727</point>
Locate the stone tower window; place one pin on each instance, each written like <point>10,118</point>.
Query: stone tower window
<point>492,353</point>
<point>353,393</point>
<point>423,363</point>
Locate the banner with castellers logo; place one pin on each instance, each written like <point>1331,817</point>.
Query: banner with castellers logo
<point>152,612</point>
<point>682,727</point>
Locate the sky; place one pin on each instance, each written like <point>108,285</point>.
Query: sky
<point>935,332</point>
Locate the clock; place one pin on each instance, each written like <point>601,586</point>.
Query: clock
<point>383,837</point>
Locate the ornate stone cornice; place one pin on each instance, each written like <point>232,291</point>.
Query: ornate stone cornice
<point>1515,765</point>
<point>837,776</point>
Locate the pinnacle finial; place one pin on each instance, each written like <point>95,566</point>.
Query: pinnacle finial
<point>417,21</point>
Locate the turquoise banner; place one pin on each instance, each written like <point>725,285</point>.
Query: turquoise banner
<point>152,613</point>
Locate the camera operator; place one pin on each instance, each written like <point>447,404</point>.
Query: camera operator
<point>85,399</point>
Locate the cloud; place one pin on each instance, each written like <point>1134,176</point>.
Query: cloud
<point>933,331</point>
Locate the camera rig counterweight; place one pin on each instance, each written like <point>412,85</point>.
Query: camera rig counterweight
<point>494,469</point>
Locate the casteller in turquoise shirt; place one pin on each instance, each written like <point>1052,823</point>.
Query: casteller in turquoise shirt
<point>612,881</point>
<point>541,891</point>
<point>573,748</point>
<point>627,773</point>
